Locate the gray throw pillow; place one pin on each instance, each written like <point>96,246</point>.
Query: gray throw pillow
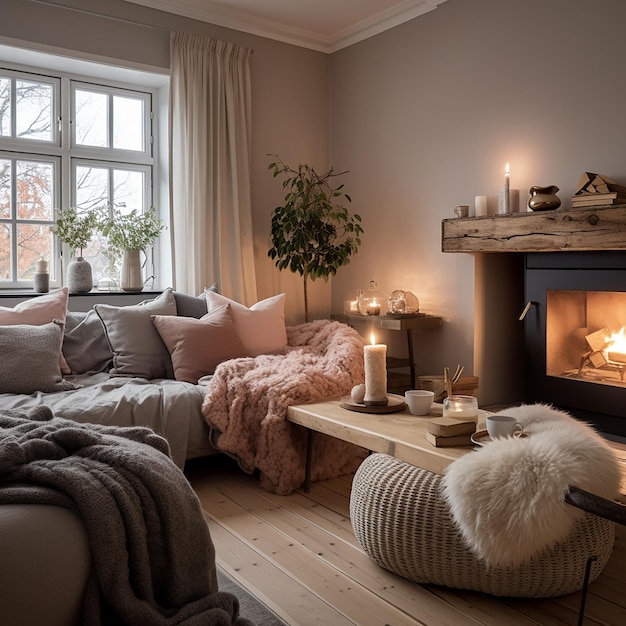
<point>85,344</point>
<point>192,306</point>
<point>30,358</point>
<point>137,347</point>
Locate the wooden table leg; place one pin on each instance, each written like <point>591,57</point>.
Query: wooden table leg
<point>409,337</point>
<point>309,455</point>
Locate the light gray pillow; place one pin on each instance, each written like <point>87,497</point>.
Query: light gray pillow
<point>30,358</point>
<point>85,344</point>
<point>191,306</point>
<point>137,347</point>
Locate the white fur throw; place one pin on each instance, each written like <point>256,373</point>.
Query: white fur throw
<point>507,498</point>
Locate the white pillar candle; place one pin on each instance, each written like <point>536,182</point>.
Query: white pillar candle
<point>375,356</point>
<point>480,206</point>
<point>506,192</point>
<point>514,200</point>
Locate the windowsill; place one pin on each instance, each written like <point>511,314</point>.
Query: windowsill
<point>20,293</point>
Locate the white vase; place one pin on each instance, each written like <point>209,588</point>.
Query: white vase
<point>131,279</point>
<point>79,276</point>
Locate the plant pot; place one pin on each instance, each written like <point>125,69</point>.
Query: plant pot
<point>131,278</point>
<point>79,276</point>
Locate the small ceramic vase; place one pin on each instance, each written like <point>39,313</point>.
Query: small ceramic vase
<point>79,276</point>
<point>543,198</point>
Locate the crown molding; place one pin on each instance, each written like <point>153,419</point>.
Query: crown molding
<point>242,21</point>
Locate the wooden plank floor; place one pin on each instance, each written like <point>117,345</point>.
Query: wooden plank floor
<point>299,555</point>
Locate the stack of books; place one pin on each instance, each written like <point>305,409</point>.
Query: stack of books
<point>598,190</point>
<point>446,432</point>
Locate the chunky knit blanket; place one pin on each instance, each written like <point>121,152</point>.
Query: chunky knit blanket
<point>154,561</point>
<point>247,399</point>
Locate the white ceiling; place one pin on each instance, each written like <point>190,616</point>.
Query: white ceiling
<point>323,25</point>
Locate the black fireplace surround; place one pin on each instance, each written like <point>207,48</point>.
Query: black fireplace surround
<point>604,405</point>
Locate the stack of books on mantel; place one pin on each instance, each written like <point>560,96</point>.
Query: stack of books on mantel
<point>598,190</point>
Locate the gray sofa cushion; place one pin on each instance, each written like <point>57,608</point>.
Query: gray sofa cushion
<point>85,344</point>
<point>192,306</point>
<point>137,347</point>
<point>30,358</point>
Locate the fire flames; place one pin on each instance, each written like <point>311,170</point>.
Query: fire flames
<point>617,346</point>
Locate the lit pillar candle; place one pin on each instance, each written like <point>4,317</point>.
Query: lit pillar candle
<point>375,374</point>
<point>507,191</point>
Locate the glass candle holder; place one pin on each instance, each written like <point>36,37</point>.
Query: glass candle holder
<point>461,407</point>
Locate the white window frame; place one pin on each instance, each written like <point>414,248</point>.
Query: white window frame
<point>154,88</point>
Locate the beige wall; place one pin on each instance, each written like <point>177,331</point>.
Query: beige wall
<point>426,115</point>
<point>290,96</point>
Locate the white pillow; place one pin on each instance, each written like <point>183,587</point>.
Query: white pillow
<point>261,327</point>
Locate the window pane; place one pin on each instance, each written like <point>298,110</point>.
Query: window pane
<point>91,119</point>
<point>128,117</point>
<point>33,243</point>
<point>128,190</point>
<point>5,188</point>
<point>35,190</point>
<point>92,187</point>
<point>34,110</point>
<point>5,252</point>
<point>5,107</point>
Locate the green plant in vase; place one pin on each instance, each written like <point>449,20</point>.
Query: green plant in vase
<point>312,233</point>
<point>128,234</point>
<point>76,228</point>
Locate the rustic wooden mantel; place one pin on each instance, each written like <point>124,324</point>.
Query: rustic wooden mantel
<point>580,229</point>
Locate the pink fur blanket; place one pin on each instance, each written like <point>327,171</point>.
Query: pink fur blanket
<point>247,400</point>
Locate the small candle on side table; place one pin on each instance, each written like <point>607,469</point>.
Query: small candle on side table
<point>375,356</point>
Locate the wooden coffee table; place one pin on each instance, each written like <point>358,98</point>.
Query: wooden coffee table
<point>401,435</point>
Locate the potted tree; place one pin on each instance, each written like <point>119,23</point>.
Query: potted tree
<point>312,233</point>
<point>129,234</point>
<point>75,228</point>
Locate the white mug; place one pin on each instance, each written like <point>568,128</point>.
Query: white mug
<point>504,426</point>
<point>419,401</point>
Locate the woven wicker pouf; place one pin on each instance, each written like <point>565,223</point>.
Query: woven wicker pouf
<point>402,522</point>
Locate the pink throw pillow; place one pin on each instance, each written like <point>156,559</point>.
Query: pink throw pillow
<point>261,327</point>
<point>38,311</point>
<point>198,346</point>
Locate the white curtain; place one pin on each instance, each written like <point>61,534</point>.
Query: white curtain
<point>211,216</point>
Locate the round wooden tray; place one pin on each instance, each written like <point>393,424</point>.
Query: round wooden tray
<point>395,404</point>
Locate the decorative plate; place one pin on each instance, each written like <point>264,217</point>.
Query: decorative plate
<point>394,404</point>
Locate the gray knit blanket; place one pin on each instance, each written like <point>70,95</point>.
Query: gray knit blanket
<point>153,557</point>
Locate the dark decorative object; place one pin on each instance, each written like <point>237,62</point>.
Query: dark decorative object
<point>543,198</point>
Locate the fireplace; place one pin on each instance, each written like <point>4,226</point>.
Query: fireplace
<point>573,330</point>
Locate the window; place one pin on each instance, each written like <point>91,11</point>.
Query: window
<point>68,140</point>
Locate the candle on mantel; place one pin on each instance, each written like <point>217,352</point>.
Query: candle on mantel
<point>375,356</point>
<point>507,190</point>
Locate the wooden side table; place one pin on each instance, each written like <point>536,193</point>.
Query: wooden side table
<point>403,323</point>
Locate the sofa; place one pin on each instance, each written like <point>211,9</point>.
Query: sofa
<point>114,368</point>
<point>143,365</point>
